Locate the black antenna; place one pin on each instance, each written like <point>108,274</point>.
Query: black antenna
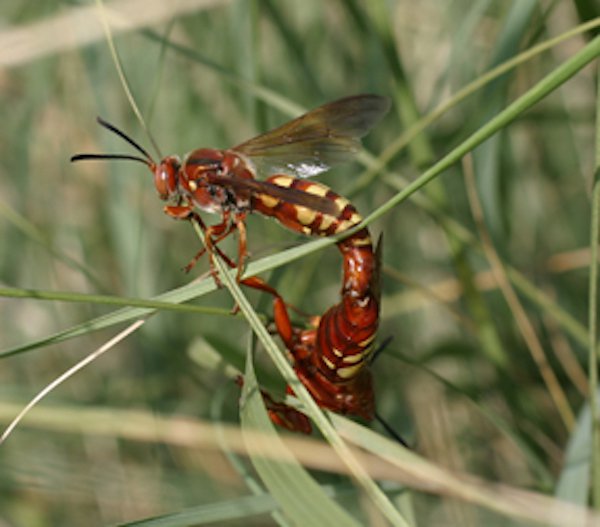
<point>391,432</point>
<point>147,159</point>
<point>86,157</point>
<point>123,135</point>
<point>380,348</point>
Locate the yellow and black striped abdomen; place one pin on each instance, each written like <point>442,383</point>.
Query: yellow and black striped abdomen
<point>339,216</point>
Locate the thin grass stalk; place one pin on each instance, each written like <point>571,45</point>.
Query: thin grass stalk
<point>547,85</point>
<point>593,315</point>
<point>108,300</point>
<point>376,165</point>
<point>107,346</point>
<point>422,154</point>
<point>526,328</point>
<point>122,77</point>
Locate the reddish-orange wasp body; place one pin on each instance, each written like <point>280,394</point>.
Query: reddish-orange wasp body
<point>330,357</point>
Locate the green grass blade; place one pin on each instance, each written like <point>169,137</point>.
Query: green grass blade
<point>594,349</point>
<point>573,484</point>
<point>240,509</point>
<point>302,500</point>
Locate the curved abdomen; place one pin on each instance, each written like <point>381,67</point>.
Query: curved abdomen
<point>331,359</point>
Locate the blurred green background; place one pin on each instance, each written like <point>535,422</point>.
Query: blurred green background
<point>458,379</point>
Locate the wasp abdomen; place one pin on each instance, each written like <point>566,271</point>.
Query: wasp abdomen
<point>302,217</point>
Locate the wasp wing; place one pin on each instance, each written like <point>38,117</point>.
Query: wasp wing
<point>253,187</point>
<point>311,143</point>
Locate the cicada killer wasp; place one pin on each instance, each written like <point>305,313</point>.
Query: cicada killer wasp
<point>330,357</point>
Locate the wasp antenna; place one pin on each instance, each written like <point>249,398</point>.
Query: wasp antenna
<point>87,157</point>
<point>124,136</point>
<point>391,432</point>
<point>380,348</point>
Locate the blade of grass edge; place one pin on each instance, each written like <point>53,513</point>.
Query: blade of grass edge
<point>236,510</point>
<point>181,294</point>
<point>573,483</point>
<point>593,314</point>
<point>288,482</point>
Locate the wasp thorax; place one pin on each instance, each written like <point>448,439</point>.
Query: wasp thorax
<point>204,160</point>
<point>165,176</point>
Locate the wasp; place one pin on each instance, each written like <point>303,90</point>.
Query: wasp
<point>268,175</point>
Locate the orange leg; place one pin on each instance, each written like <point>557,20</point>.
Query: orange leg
<point>201,252</point>
<point>213,234</point>
<point>281,414</point>
<point>179,212</point>
<point>214,231</point>
<point>280,312</point>
<point>242,251</point>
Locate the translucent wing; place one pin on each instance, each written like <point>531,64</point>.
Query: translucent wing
<point>311,143</point>
<point>288,195</point>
